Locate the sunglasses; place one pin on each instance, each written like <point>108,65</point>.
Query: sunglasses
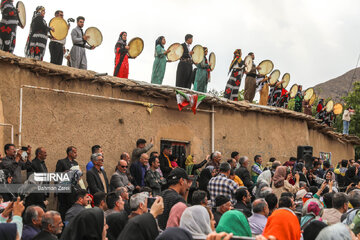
<point>124,166</point>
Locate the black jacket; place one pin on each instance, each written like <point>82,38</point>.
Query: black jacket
<point>65,164</point>
<point>245,209</point>
<point>44,235</point>
<point>164,165</point>
<point>94,182</point>
<point>244,175</point>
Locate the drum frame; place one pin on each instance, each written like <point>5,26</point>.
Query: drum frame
<point>248,63</point>
<point>342,108</point>
<point>264,61</point>
<point>327,110</point>
<point>21,24</point>
<point>312,99</point>
<point>212,67</point>
<point>67,28</point>
<point>202,53</point>
<point>276,70</point>
<point>102,38</point>
<point>167,56</point>
<point>297,89</point>
<point>135,38</point>
<point>308,99</point>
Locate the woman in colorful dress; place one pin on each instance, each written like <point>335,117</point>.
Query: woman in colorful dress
<point>160,61</point>
<point>38,36</point>
<point>121,57</point>
<point>237,68</point>
<point>202,75</point>
<point>298,100</point>
<point>8,25</point>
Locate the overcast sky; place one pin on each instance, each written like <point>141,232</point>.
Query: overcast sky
<point>312,40</point>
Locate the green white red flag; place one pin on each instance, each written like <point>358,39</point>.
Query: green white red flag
<point>184,99</point>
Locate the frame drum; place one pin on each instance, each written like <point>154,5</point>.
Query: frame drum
<point>248,63</point>
<point>286,79</point>
<point>293,90</point>
<point>176,51</point>
<point>21,13</point>
<point>308,94</point>
<point>330,106</point>
<point>60,26</point>
<point>312,99</point>
<point>198,55</point>
<point>136,46</point>
<point>338,109</point>
<point>266,67</point>
<point>95,35</point>
<point>212,61</point>
<point>274,76</point>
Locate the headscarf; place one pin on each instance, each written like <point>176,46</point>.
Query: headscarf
<point>175,214</point>
<point>88,224</point>
<point>283,224</point>
<point>204,179</point>
<point>312,210</point>
<point>141,227</point>
<point>279,176</point>
<point>234,221</point>
<point>265,176</point>
<point>3,2</point>
<point>159,41</point>
<point>313,230</point>
<point>120,41</point>
<point>116,223</point>
<point>189,160</point>
<point>175,233</point>
<point>8,231</point>
<point>196,220</point>
<point>236,59</point>
<point>37,11</point>
<point>335,232</point>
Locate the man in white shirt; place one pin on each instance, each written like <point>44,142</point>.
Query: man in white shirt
<point>57,47</point>
<point>346,119</point>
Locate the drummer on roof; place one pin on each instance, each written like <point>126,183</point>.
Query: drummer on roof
<point>77,53</point>
<point>160,61</point>
<point>57,47</point>
<point>8,25</point>
<point>184,69</point>
<point>236,69</point>
<point>38,36</point>
<point>250,81</point>
<point>298,100</point>
<point>202,76</point>
<point>121,57</point>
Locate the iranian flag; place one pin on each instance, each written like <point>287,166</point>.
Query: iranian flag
<point>184,100</point>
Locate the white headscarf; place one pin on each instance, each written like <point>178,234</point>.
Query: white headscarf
<point>196,220</point>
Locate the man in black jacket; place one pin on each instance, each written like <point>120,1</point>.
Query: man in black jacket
<point>184,69</point>
<point>63,165</point>
<point>51,226</point>
<point>96,177</point>
<point>243,173</point>
<point>165,164</point>
<point>243,199</point>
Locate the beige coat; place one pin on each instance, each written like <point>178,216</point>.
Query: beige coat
<point>286,188</point>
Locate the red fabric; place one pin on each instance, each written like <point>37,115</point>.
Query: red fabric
<point>284,225</point>
<point>124,69</point>
<point>319,107</point>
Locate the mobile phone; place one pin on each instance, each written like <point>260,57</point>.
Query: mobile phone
<point>150,202</point>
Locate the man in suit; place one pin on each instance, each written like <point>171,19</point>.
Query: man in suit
<point>165,162</point>
<point>51,226</point>
<point>96,177</point>
<point>38,165</point>
<point>66,199</point>
<point>184,69</point>
<point>138,170</point>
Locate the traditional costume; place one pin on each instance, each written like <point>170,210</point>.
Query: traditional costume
<point>121,58</point>
<point>307,108</point>
<point>263,88</point>
<point>298,101</point>
<point>159,62</point>
<point>202,76</point>
<point>184,69</point>
<point>37,40</point>
<point>237,71</point>
<point>8,25</point>
<point>275,94</point>
<point>78,53</point>
<point>284,98</point>
<point>320,110</point>
<point>250,84</point>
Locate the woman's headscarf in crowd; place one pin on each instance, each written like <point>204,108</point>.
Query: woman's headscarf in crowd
<point>204,179</point>
<point>175,233</point>
<point>120,41</point>
<point>8,231</point>
<point>264,180</point>
<point>283,224</point>
<point>313,229</point>
<point>175,214</point>
<point>88,224</point>
<point>312,210</point>
<point>235,222</point>
<point>116,223</point>
<point>196,220</point>
<point>279,176</point>
<point>335,232</point>
<point>141,227</point>
<point>351,176</point>
<point>236,59</point>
